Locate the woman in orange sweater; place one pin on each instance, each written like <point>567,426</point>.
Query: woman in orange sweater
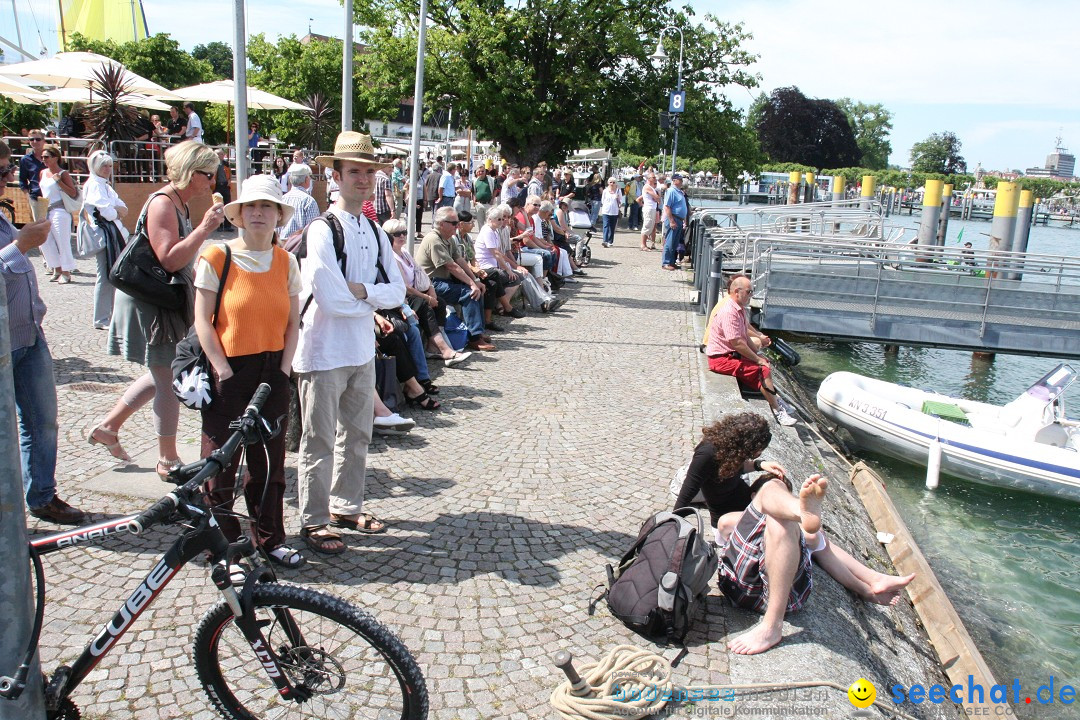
<point>251,342</point>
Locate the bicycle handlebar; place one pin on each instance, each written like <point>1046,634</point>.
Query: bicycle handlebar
<point>211,466</point>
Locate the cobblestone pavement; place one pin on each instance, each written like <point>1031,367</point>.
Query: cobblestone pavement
<point>503,507</point>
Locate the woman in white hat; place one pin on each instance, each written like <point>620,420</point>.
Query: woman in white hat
<point>251,341</point>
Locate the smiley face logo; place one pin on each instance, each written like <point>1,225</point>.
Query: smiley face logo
<point>862,693</point>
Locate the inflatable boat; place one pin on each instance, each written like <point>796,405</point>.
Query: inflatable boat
<point>1028,444</point>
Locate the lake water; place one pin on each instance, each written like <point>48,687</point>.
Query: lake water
<point>1009,561</point>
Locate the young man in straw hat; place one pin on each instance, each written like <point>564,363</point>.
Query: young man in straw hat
<point>336,351</point>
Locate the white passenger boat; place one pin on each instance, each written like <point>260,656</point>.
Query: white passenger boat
<point>1027,444</point>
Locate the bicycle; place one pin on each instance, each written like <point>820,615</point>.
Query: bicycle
<point>271,650</point>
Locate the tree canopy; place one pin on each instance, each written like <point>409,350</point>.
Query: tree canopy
<point>219,55</point>
<point>872,124</point>
<point>544,76</point>
<point>939,153</point>
<point>794,128</point>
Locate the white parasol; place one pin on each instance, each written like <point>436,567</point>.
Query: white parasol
<point>76,69</point>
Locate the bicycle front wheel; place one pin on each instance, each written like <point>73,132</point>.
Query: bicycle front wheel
<point>352,667</point>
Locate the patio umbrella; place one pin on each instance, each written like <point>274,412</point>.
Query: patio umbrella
<point>76,69</point>
<point>19,91</point>
<point>223,92</point>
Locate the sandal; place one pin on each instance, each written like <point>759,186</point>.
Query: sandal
<point>166,466</point>
<point>366,523</point>
<point>429,387</point>
<point>322,540</point>
<point>423,401</point>
<point>114,448</point>
<point>286,557</point>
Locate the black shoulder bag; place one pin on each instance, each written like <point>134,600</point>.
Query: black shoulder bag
<point>138,272</point>
<point>192,379</point>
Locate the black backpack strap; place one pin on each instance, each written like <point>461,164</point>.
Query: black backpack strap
<point>221,285</point>
<point>379,269</point>
<point>337,233</point>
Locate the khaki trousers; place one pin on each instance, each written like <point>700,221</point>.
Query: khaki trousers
<point>337,407</point>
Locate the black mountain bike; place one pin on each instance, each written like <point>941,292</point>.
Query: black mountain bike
<point>268,649</point>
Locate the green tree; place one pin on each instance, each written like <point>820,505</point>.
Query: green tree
<point>939,153</point>
<point>872,125</point>
<point>219,55</point>
<point>296,71</point>
<point>795,128</point>
<point>15,116</point>
<point>552,74</point>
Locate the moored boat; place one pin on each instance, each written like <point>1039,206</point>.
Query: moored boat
<point>1027,444</point>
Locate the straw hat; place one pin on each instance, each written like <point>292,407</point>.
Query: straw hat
<point>259,187</point>
<point>353,147</point>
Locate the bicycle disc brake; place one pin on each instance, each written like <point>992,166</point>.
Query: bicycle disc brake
<point>313,669</point>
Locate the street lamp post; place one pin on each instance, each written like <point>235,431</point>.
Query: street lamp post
<point>675,105</point>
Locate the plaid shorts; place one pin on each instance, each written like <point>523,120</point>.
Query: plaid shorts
<point>741,563</point>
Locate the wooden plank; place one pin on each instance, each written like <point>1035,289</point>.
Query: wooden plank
<point>955,649</point>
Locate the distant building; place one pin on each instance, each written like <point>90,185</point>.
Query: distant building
<point>1059,164</point>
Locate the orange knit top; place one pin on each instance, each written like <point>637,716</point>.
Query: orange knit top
<point>255,305</point>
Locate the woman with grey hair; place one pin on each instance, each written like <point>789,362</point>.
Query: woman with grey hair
<point>536,294</point>
<point>99,195</point>
<point>146,334</point>
<point>420,298</point>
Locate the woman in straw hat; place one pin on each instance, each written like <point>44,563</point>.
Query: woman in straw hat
<point>251,341</point>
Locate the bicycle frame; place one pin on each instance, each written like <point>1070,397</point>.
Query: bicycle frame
<point>204,536</point>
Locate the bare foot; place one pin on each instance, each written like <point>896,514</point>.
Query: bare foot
<point>811,495</point>
<point>756,640</point>
<point>886,589</point>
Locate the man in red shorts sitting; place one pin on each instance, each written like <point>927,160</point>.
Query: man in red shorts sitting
<point>734,347</point>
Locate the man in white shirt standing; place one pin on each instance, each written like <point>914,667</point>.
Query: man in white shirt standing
<point>194,124</point>
<point>336,351</point>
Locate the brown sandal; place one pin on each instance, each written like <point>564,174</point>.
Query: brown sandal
<point>366,523</point>
<point>321,539</point>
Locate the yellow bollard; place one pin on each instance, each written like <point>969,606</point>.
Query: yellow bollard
<point>794,180</point>
<point>867,193</point>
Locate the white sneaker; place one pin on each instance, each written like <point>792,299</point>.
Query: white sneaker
<point>393,424</point>
<point>459,357</point>
<point>784,418</point>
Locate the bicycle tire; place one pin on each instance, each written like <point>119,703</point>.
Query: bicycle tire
<point>383,680</point>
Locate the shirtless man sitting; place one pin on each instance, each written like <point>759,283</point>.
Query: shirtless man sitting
<point>765,559</point>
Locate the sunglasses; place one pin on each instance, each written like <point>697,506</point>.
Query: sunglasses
<point>37,139</point>
<point>6,170</point>
<point>207,175</point>
<point>403,233</point>
<point>450,222</point>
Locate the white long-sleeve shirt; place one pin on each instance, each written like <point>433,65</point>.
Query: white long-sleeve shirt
<point>338,330</point>
<point>98,193</point>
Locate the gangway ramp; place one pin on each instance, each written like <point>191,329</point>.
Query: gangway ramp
<point>897,294</point>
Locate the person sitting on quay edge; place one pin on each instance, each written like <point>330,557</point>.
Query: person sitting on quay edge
<point>734,348</point>
<point>768,536</point>
<point>428,310</point>
<point>499,288</point>
<point>252,342</point>
<point>441,258</point>
<point>31,364</point>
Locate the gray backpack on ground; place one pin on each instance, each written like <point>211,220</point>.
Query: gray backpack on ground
<point>661,577</point>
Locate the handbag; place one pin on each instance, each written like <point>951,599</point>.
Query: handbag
<point>138,272</point>
<point>89,239</point>
<point>73,204</point>
<point>192,379</point>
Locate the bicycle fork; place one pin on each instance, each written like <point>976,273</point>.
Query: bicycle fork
<point>244,613</point>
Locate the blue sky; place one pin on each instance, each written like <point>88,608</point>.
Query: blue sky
<point>1003,76</point>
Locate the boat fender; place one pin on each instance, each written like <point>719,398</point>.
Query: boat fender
<point>933,465</point>
<point>786,353</point>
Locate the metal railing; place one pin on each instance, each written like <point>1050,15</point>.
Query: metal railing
<point>962,285</point>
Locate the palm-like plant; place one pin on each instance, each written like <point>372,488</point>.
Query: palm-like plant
<point>317,121</point>
<point>107,117</point>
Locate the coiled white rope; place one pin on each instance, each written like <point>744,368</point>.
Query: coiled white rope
<point>639,673</point>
